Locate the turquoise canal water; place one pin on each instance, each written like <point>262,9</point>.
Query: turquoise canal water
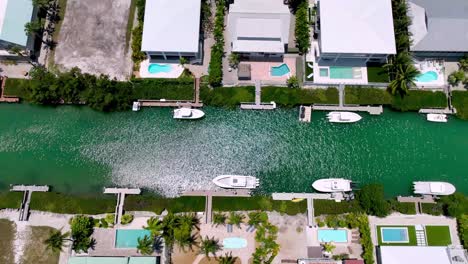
<point>77,150</point>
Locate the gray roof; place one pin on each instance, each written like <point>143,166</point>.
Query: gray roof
<point>446,25</point>
<point>357,27</point>
<point>171,26</point>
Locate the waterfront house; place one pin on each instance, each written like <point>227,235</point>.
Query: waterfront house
<point>354,32</point>
<point>421,254</point>
<point>171,30</point>
<point>259,29</point>
<point>439,28</point>
<point>14,14</point>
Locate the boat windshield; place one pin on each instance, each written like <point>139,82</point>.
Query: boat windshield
<point>236,181</point>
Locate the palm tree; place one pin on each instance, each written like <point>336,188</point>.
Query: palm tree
<point>145,245</point>
<point>153,226</point>
<point>328,247</point>
<point>209,246</point>
<point>227,259</point>
<point>404,79</point>
<point>219,219</point>
<point>56,240</point>
<point>236,219</point>
<point>191,220</point>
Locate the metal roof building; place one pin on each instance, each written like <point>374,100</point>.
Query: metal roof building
<point>14,14</point>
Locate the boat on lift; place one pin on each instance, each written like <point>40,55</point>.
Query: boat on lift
<point>188,113</point>
<point>236,182</point>
<point>136,106</point>
<point>439,118</point>
<point>433,188</point>
<point>343,117</point>
<point>333,185</point>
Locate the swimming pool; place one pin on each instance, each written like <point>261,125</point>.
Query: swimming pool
<point>281,70</point>
<point>428,76</point>
<point>234,243</point>
<point>338,72</point>
<point>394,234</point>
<point>128,238</point>
<point>157,68</point>
<point>333,235</point>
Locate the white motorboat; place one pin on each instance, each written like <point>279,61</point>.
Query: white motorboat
<point>440,118</point>
<point>236,182</point>
<point>188,113</point>
<point>343,117</point>
<point>433,188</point>
<point>332,185</point>
<point>136,106</point>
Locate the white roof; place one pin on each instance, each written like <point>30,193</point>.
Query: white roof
<point>414,254</point>
<point>259,6</point>
<point>258,35</point>
<point>357,26</point>
<point>171,26</point>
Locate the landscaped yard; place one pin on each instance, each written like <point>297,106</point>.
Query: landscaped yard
<point>35,250</point>
<point>6,241</point>
<point>438,236</point>
<point>460,102</point>
<point>377,74</point>
<point>411,236</point>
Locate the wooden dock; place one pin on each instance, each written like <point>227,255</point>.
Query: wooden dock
<point>258,105</point>
<point>307,114</point>
<point>28,190</point>
<point>209,198</point>
<point>373,110</point>
<point>121,192</point>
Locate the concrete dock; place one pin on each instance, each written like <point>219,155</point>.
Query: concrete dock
<point>28,190</point>
<point>209,198</point>
<point>446,111</point>
<point>373,110</point>
<point>121,192</point>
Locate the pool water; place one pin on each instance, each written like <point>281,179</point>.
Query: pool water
<point>158,68</point>
<point>128,238</point>
<point>429,76</point>
<point>394,234</point>
<point>281,70</point>
<point>234,243</point>
<point>323,72</point>
<point>337,72</point>
<point>332,235</point>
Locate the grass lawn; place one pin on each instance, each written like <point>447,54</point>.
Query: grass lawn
<point>411,235</point>
<point>258,203</point>
<point>438,236</point>
<point>432,209</point>
<point>460,102</point>
<point>377,74</point>
<point>36,252</point>
<point>6,241</point>
<point>131,18</point>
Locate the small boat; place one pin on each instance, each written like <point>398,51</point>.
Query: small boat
<point>236,182</point>
<point>433,188</point>
<point>440,118</point>
<point>136,106</point>
<point>188,113</point>
<point>332,185</point>
<point>343,117</point>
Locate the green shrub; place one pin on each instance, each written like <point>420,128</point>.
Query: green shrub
<point>331,221</point>
<point>432,209</point>
<point>417,99</point>
<point>17,87</point>
<point>215,67</point>
<point>137,34</point>
<point>404,208</point>
<point>302,29</point>
<point>292,82</point>
<point>226,96</point>
<point>81,231</point>
<point>170,89</point>
<point>372,201</point>
<point>463,230</point>
<point>455,205</point>
<point>367,96</point>
<point>126,219</point>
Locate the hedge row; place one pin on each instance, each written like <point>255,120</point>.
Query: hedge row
<point>137,34</point>
<point>215,67</point>
<point>329,207</point>
<point>226,96</point>
<point>258,203</point>
<point>413,101</point>
<point>172,89</point>
<point>463,230</point>
<point>288,97</point>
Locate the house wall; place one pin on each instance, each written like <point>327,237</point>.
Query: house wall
<point>349,58</point>
<point>449,56</point>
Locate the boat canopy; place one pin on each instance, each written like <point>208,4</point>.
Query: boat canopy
<point>185,112</point>
<point>238,181</point>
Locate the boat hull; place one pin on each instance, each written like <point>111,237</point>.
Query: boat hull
<point>332,185</point>
<point>433,188</point>
<point>343,117</point>
<point>438,118</point>
<point>194,114</point>
<point>236,182</point>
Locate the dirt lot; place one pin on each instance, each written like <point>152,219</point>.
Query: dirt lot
<point>6,241</point>
<point>93,37</point>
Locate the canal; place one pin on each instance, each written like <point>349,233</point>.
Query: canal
<point>77,150</point>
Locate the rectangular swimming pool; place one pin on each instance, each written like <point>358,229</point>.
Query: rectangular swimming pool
<point>333,235</point>
<point>394,234</point>
<point>337,72</point>
<point>128,238</point>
